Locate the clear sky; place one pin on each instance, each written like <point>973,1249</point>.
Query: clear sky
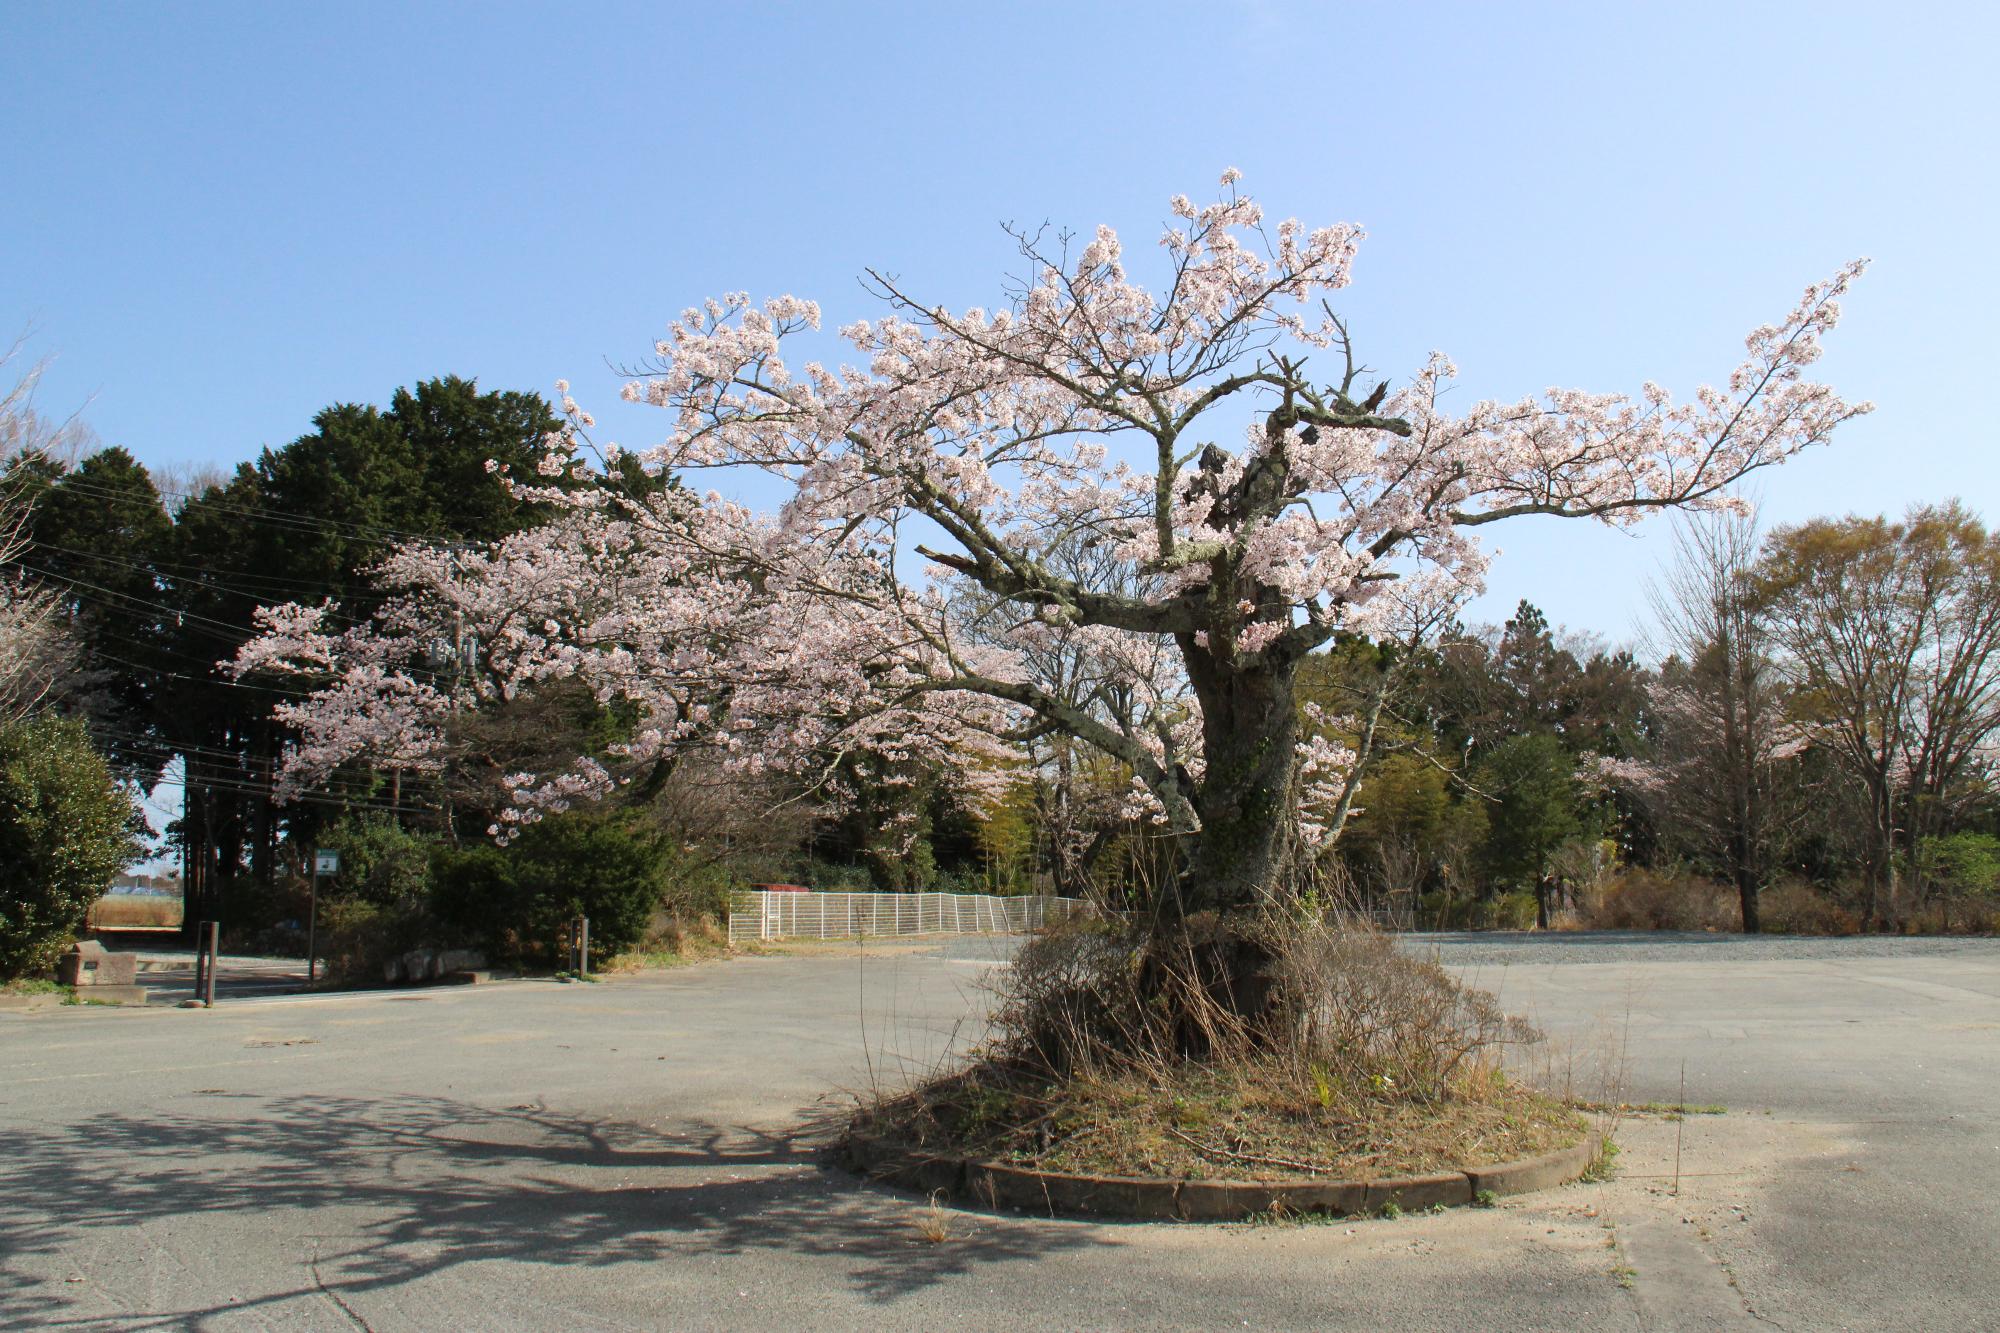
<point>223,217</point>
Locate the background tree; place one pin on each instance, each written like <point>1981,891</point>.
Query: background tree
<point>1723,773</point>
<point>38,656</point>
<point>98,539</point>
<point>1889,633</point>
<point>1536,809</point>
<point>305,522</point>
<point>586,863</point>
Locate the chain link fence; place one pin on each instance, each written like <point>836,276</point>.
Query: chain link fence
<point>760,915</point>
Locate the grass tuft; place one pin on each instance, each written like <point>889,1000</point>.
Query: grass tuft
<point>934,1222</point>
<point>1605,1164</point>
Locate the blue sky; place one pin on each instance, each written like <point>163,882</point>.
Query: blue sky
<point>223,217</point>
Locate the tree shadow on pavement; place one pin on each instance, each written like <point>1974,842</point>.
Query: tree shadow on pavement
<point>416,1186</point>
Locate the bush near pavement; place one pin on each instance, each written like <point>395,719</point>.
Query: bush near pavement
<point>513,901</point>
<point>65,829</point>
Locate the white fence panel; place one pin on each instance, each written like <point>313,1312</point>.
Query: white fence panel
<point>760,915</point>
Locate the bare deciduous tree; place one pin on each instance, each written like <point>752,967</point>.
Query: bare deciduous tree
<point>1889,633</point>
<point>1722,739</point>
<point>36,652</point>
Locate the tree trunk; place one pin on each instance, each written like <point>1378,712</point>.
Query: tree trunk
<point>1879,854</point>
<point>1242,856</point>
<point>1746,894</point>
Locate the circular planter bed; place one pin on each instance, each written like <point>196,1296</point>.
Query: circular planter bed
<point>1052,1193</point>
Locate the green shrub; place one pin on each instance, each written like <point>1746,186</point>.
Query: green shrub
<point>514,900</point>
<point>1513,911</point>
<point>1961,865</point>
<point>65,829</point>
<point>381,862</point>
<point>357,937</point>
<point>1439,909</point>
<point>695,886</point>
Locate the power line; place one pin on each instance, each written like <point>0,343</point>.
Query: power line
<point>297,798</point>
<point>176,612</point>
<point>240,782</point>
<point>280,518</point>
<point>207,580</point>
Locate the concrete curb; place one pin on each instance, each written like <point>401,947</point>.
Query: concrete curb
<point>1055,1193</point>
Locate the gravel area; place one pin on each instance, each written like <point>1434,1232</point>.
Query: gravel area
<point>1525,948</point>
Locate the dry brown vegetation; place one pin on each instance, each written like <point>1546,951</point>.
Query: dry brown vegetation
<point>1636,898</point>
<point>671,939</point>
<point>1354,1060</point>
<point>1641,899</point>
<point>118,911</point>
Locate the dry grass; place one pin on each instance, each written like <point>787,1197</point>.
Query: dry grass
<point>1244,1121</point>
<point>1794,908</point>
<point>1121,1055</point>
<point>934,1223</point>
<point>1641,899</point>
<point>118,911</point>
<point>671,941</point>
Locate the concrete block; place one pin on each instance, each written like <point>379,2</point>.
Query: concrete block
<point>998,1186</point>
<point>89,963</point>
<point>1535,1173</point>
<point>1109,1196</point>
<point>1225,1200</point>
<point>1411,1193</point>
<point>902,1166</point>
<point>1342,1198</point>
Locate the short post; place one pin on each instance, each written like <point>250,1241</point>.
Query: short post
<point>214,941</point>
<point>326,861</point>
<point>200,954</point>
<point>583,946</point>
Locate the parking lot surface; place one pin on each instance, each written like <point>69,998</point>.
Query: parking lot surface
<point>641,1153</point>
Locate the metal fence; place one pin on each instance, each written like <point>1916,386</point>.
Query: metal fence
<point>759,915</point>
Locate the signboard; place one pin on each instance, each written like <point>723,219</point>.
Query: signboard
<point>326,862</point>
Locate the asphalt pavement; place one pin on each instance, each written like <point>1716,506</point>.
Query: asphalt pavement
<point>641,1153</point>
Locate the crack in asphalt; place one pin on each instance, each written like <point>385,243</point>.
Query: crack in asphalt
<point>332,1296</point>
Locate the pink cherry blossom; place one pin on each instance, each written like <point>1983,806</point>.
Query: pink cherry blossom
<point>1010,521</point>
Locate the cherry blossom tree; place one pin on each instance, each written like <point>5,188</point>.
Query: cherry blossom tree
<point>923,570</point>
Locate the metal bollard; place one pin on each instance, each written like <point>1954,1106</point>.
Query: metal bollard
<point>214,942</point>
